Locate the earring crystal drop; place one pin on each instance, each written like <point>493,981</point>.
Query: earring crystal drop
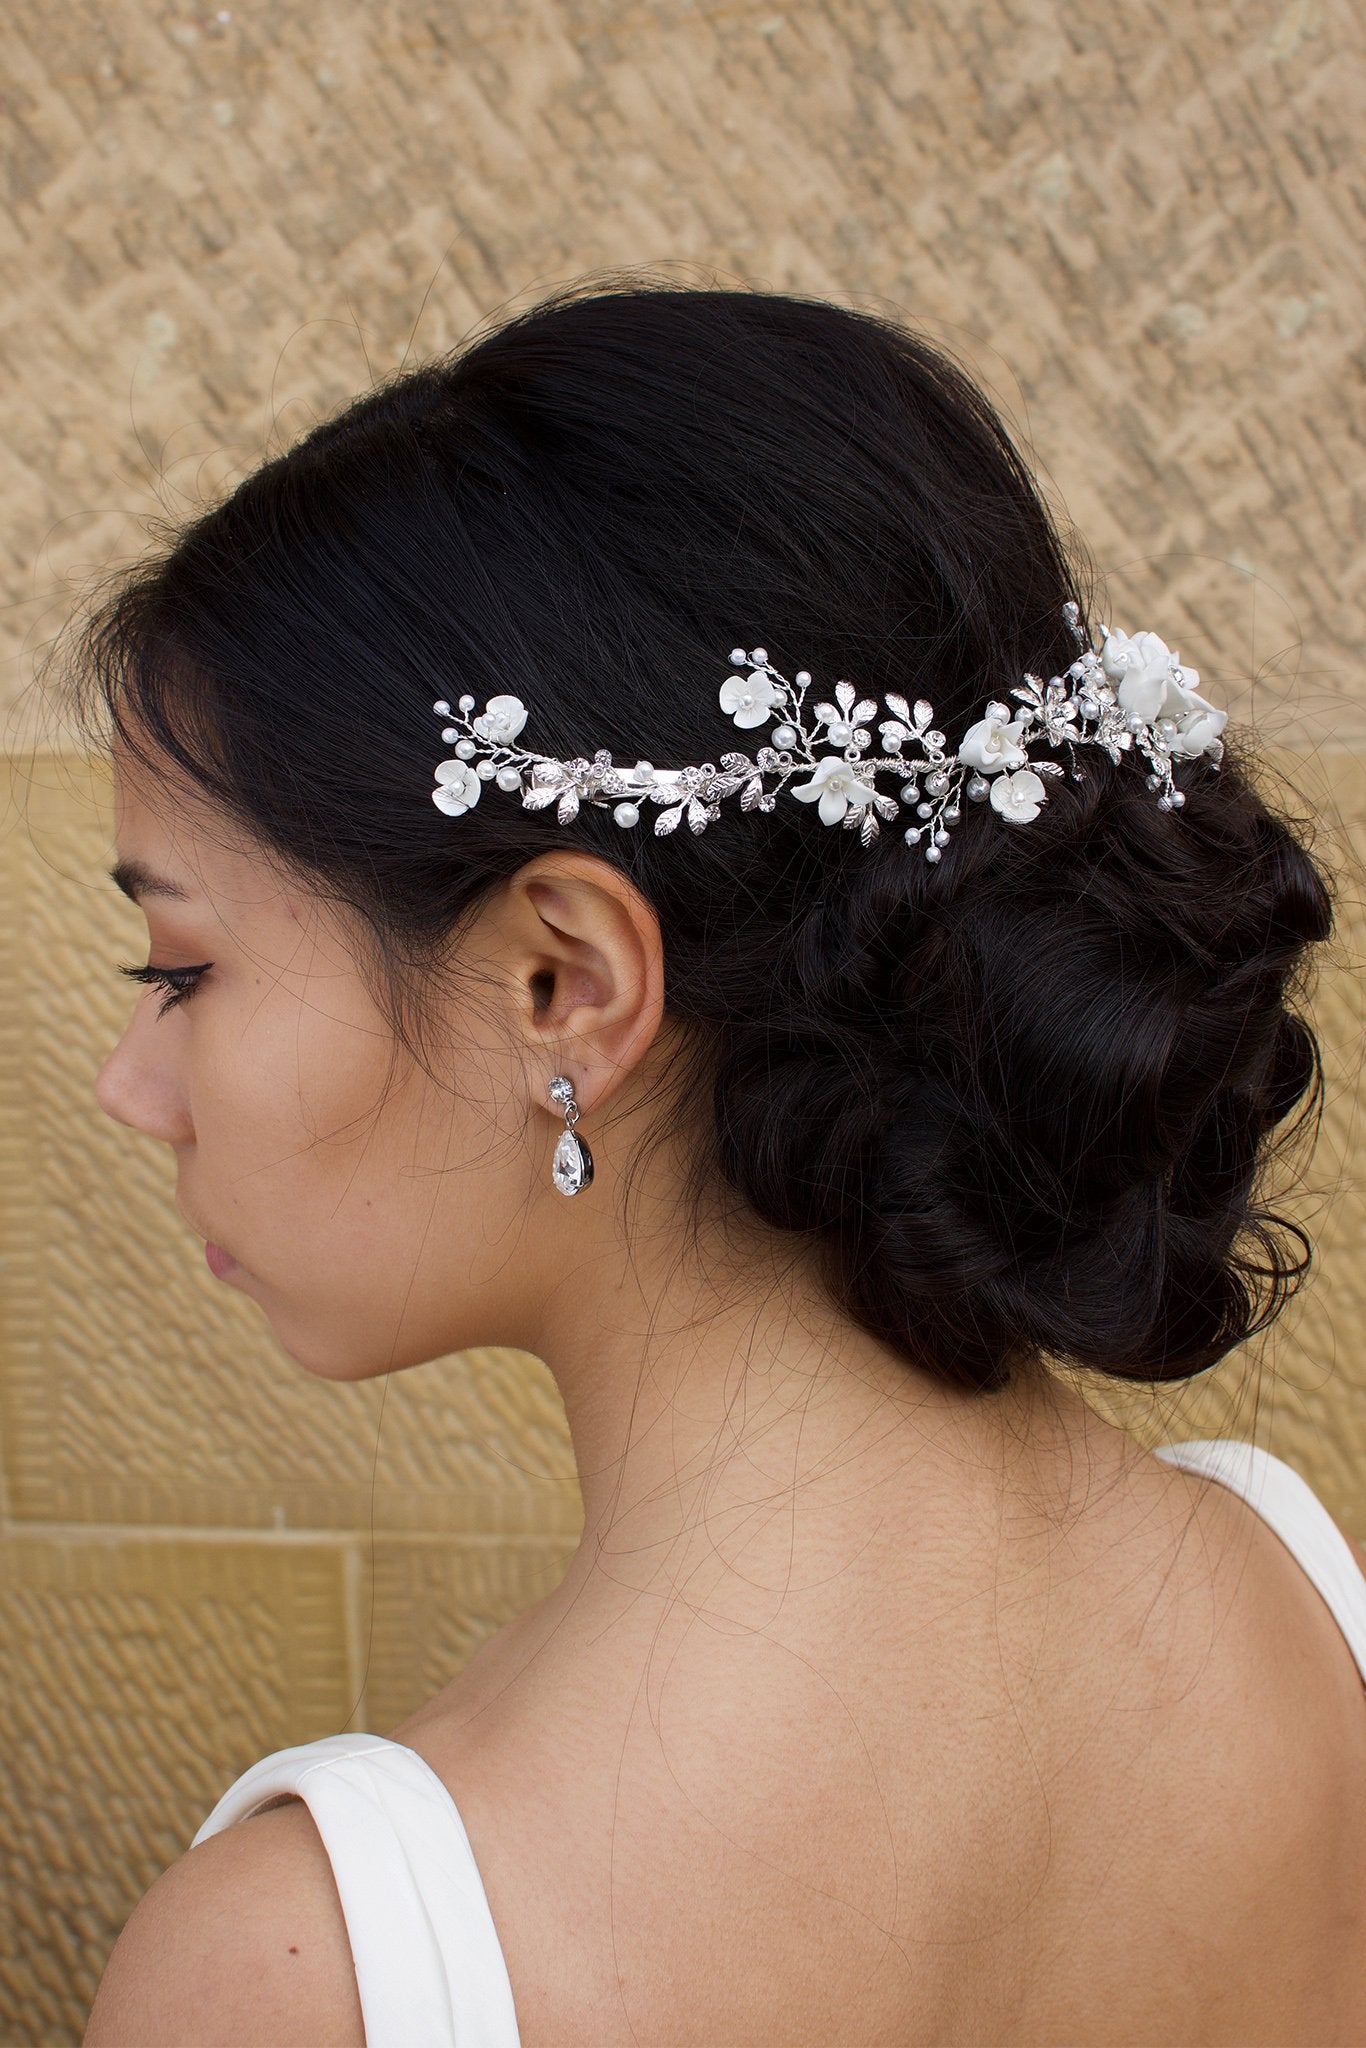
<point>571,1169</point>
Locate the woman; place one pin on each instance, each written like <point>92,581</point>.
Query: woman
<point>801,1049</point>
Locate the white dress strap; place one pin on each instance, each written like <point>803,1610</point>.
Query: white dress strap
<point>429,1965</point>
<point>1292,1508</point>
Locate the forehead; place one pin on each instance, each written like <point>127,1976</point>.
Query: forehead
<point>174,848</point>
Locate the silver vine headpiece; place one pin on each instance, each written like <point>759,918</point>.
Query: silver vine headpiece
<point>1128,692</point>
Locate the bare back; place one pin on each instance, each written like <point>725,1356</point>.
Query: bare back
<point>1099,1783</point>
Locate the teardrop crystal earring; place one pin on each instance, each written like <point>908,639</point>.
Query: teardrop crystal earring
<point>571,1169</point>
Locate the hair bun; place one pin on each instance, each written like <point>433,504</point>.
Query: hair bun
<point>1030,1123</point>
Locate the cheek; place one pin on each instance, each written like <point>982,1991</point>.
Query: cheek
<point>286,1098</point>
<point>329,1154</point>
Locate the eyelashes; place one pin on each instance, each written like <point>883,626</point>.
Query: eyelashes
<point>177,984</point>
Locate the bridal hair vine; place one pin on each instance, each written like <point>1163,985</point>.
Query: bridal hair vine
<point>1128,692</point>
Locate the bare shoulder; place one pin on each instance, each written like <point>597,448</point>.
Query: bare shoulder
<point>240,1944</point>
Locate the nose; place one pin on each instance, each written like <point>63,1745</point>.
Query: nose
<point>139,1085</point>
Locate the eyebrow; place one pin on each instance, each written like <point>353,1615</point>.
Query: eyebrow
<point>137,881</point>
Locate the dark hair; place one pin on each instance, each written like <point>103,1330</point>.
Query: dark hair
<point>1019,1100</point>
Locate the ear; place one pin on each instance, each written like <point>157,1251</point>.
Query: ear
<point>587,960</point>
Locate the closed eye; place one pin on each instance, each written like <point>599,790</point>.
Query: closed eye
<point>176,983</point>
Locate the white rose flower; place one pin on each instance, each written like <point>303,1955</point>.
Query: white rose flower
<point>1018,797</point>
<point>1199,723</point>
<point>991,745</point>
<point>1199,732</point>
<point>501,720</point>
<point>1140,668</point>
<point>749,700</point>
<point>457,788</point>
<point>836,787</point>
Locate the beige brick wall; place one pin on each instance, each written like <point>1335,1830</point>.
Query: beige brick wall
<point>1139,228</point>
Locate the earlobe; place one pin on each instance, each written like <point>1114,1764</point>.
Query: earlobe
<point>592,965</point>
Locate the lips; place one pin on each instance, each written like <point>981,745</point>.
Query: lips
<point>207,1238</point>
<point>220,1263</point>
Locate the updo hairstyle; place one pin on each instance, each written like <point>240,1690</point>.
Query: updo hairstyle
<point>1020,1102</point>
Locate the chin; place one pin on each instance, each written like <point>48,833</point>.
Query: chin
<point>345,1362</point>
<point>327,1366</point>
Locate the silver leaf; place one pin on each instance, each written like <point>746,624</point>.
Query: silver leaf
<point>865,708</point>
<point>750,794</point>
<point>540,798</point>
<point>868,830</point>
<point>667,820</point>
<point>923,713</point>
<point>698,814</point>
<point>844,695</point>
<point>899,706</point>
<point>740,763</point>
<point>569,807</point>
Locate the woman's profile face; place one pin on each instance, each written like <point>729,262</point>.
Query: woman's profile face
<point>373,1213</point>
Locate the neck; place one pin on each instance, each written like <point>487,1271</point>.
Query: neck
<point>720,1406</point>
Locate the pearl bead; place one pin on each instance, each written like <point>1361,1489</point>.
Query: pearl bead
<point>802,677</point>
<point>509,778</point>
<point>785,735</point>
<point>442,708</point>
<point>1178,797</point>
<point>737,655</point>
<point>759,656</point>
<point>466,749</point>
<point>449,734</point>
<point>626,814</point>
<point>931,853</point>
<point>467,703</point>
<point>484,770</point>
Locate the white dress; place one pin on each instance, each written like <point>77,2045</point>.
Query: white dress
<point>429,1965</point>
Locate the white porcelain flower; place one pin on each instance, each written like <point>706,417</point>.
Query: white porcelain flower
<point>836,787</point>
<point>1140,668</point>
<point>1199,733</point>
<point>1199,724</point>
<point>749,700</point>
<point>457,788</point>
<point>501,720</point>
<point>1018,797</point>
<point>992,744</point>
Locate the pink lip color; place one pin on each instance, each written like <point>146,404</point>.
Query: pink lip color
<point>219,1262</point>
